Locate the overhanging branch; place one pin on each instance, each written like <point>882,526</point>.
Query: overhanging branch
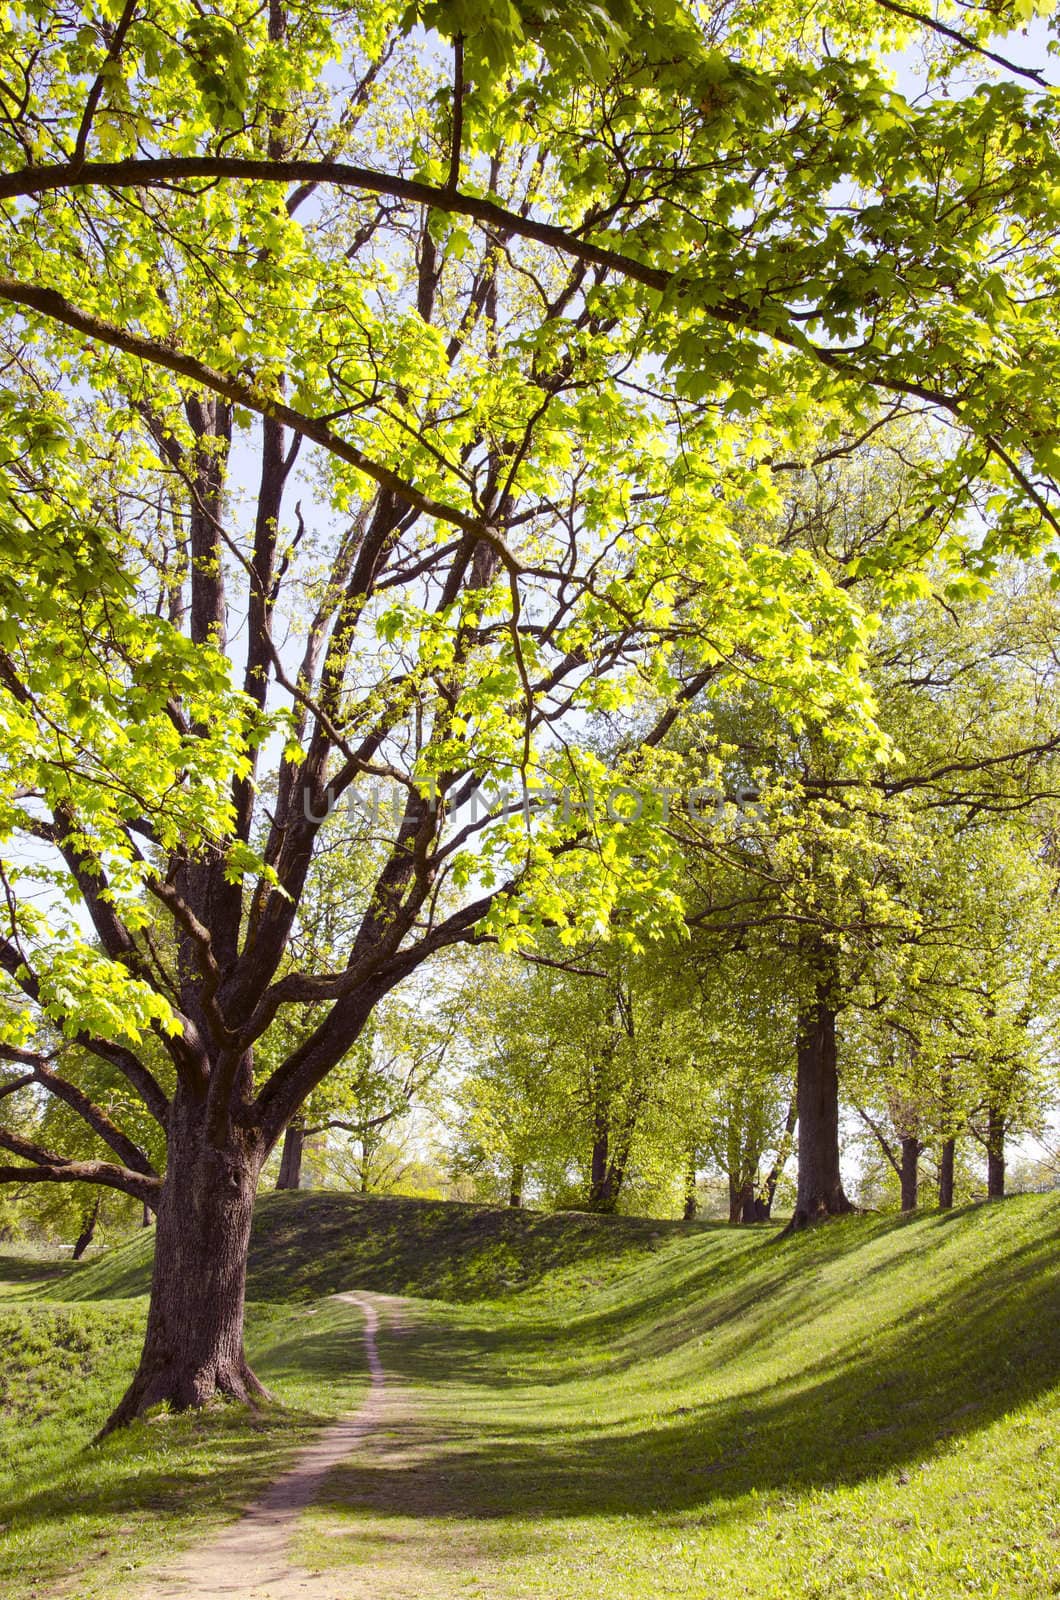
<point>147,1190</point>
<point>49,303</point>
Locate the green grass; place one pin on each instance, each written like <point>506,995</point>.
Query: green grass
<point>95,1515</point>
<point>604,1406</point>
<point>308,1244</point>
<point>866,1413</point>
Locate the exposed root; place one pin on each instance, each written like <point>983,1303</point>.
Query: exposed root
<point>802,1220</point>
<point>183,1391</point>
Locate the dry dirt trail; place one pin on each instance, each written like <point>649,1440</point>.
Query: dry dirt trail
<point>250,1559</point>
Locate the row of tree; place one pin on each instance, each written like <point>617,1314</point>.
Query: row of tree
<point>454,394</point>
<point>881,944</point>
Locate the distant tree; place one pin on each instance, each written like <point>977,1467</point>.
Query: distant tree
<point>381,389</point>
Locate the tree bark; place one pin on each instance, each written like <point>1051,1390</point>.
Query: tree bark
<point>602,1192</point>
<point>910,1164</point>
<point>85,1237</point>
<point>764,1204</point>
<point>515,1190</point>
<point>291,1159</point>
<point>946,1165</point>
<point>741,1201</point>
<point>691,1205</point>
<point>995,1154</point>
<point>193,1347</point>
<point>820,1186</point>
<point>601,1186</point>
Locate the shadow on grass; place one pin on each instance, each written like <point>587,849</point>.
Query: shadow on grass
<point>311,1243</point>
<point>444,1250</point>
<point>141,1487</point>
<point>29,1273</point>
<point>858,1401</point>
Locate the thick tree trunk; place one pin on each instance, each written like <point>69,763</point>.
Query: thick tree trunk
<point>193,1347</point>
<point>820,1187</point>
<point>910,1174</point>
<point>995,1154</point>
<point>291,1159</point>
<point>515,1189</point>
<point>741,1201</point>
<point>946,1164</point>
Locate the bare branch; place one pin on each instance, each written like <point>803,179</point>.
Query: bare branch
<point>1032,74</point>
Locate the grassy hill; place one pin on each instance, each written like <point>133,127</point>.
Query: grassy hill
<point>308,1244</point>
<point>608,1405</point>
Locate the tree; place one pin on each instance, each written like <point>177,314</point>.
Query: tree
<point>556,1078</point>
<point>730,1095</point>
<point>491,463</point>
<point>503,1107</point>
<point>866,886</point>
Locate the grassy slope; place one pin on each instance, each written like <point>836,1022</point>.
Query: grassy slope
<point>867,1413</point>
<point>81,1519</point>
<point>612,1407</point>
<point>309,1244</point>
<point>70,1335</point>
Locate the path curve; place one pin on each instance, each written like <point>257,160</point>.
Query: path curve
<point>250,1558</point>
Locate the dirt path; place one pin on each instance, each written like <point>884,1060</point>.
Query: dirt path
<point>250,1558</point>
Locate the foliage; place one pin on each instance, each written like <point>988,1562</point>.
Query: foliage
<point>447,396</point>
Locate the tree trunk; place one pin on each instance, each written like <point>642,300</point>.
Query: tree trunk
<point>193,1347</point>
<point>764,1204</point>
<point>946,1164</point>
<point>601,1185</point>
<point>515,1191</point>
<point>146,1218</point>
<point>291,1160</point>
<point>691,1204</point>
<point>84,1238</point>
<point>607,1162</point>
<point>995,1154</point>
<point>820,1187</point>
<point>741,1200</point>
<point>910,1162</point>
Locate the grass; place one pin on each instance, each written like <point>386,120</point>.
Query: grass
<point>309,1244</point>
<point>91,1517</point>
<point>868,1412</point>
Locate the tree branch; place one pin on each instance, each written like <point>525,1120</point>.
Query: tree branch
<point>93,98</point>
<point>103,1172</point>
<point>964,40</point>
<point>240,391</point>
<point>118,1056</point>
<point>96,1118</point>
<point>884,1142</point>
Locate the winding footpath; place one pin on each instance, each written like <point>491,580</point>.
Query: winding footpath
<point>251,1558</point>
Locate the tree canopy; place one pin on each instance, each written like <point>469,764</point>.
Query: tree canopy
<point>395,396</point>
